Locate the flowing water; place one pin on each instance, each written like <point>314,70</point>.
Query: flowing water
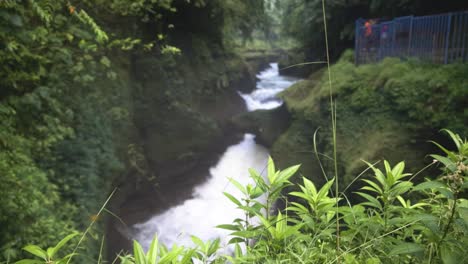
<point>209,207</point>
<point>269,84</point>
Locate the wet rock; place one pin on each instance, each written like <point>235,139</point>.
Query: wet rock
<point>267,125</point>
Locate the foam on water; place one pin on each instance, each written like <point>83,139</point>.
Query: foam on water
<point>269,85</point>
<point>208,207</point>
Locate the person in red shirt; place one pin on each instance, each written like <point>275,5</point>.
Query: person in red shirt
<point>368,26</point>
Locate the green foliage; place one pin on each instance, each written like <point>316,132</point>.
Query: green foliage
<point>159,254</point>
<point>67,102</point>
<point>49,255</point>
<point>52,58</point>
<point>383,228</point>
<point>65,81</point>
<point>385,111</point>
<point>243,18</point>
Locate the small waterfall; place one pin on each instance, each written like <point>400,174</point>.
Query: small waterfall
<point>269,85</point>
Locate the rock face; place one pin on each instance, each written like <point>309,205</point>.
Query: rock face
<point>267,125</point>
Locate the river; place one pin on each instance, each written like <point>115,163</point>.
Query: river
<point>208,206</point>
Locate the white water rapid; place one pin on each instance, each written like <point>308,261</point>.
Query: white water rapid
<point>209,207</point>
<point>269,85</point>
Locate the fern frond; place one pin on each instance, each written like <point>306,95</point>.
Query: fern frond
<point>101,36</point>
<point>8,3</point>
<point>44,13</point>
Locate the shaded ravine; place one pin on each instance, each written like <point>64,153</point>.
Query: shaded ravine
<point>208,206</point>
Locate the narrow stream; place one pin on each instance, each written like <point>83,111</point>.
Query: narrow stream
<point>209,207</point>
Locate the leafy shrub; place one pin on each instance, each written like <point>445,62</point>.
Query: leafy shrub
<point>397,222</point>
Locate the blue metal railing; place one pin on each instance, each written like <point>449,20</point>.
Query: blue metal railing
<point>439,38</point>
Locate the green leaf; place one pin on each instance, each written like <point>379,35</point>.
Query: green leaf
<point>455,137</point>
<point>197,241</point>
<point>378,174</point>
<point>280,225</point>
<point>402,201</point>
<point>235,240</point>
<point>287,173</point>
<point>250,209</point>
<point>127,259</point>
<point>238,186</point>
<point>269,226</point>
<point>258,179</point>
<point>325,189</point>
<point>256,192</point>
<point>406,248</point>
<point>138,253</point>
<point>29,261</point>
<point>465,184</point>
<point>246,233</point>
<point>387,167</point>
<point>446,192</point>
<point>232,198</point>
<point>429,185</point>
<point>229,227</point>
<point>237,251</point>
<point>446,161</point>
<point>60,244</point>
<point>309,185</point>
<point>298,208</point>
<point>50,252</point>
<point>450,255</point>
<point>429,221</point>
<point>214,246</point>
<point>292,230</point>
<point>397,171</point>
<point>152,254</point>
<point>372,201</point>
<point>373,187</point>
<point>171,256</point>
<point>401,188</point>
<point>36,251</point>
<point>271,170</point>
<point>188,256</point>
<point>300,194</point>
<point>450,154</point>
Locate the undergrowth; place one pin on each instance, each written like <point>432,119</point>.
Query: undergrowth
<point>386,110</point>
<point>395,222</point>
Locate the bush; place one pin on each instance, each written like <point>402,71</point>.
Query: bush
<point>397,221</point>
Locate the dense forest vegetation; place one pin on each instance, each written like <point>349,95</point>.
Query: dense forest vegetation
<point>76,99</point>
<point>386,110</point>
<point>102,102</point>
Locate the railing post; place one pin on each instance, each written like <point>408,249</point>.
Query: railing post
<point>410,36</point>
<point>465,29</point>
<point>394,37</point>
<point>447,36</point>
<point>356,42</point>
<point>459,19</point>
